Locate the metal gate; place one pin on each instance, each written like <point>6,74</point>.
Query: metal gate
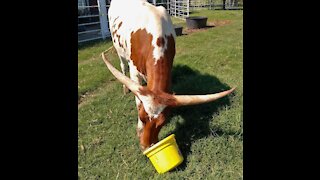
<point>93,14</point>
<point>180,8</point>
<point>216,4</point>
<point>232,4</point>
<point>176,8</point>
<point>92,20</point>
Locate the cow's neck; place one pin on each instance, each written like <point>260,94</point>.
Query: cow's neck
<point>159,77</point>
<point>159,71</point>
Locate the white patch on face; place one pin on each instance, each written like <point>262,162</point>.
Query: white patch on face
<point>153,110</point>
<point>140,125</point>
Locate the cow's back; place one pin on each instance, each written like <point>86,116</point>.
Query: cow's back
<point>137,21</point>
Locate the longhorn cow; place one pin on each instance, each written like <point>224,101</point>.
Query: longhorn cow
<point>144,38</point>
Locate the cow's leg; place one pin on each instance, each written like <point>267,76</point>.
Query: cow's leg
<point>135,76</point>
<point>124,69</point>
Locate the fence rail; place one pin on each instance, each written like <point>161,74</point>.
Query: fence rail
<point>93,21</point>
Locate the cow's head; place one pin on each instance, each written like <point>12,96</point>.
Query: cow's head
<point>152,112</point>
<point>156,105</point>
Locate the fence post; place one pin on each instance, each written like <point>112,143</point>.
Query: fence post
<point>103,18</point>
<point>188,8</point>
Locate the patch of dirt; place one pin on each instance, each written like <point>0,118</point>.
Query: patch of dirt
<point>210,24</point>
<point>219,22</point>
<point>82,97</point>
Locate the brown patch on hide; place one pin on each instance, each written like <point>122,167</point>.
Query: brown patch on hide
<point>160,41</point>
<point>141,49</point>
<point>115,20</point>
<point>120,45</point>
<point>114,32</point>
<point>159,74</point>
<point>119,24</point>
<point>118,36</point>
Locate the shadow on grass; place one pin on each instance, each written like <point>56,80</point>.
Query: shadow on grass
<point>196,118</point>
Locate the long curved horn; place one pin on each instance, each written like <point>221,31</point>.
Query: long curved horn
<point>175,100</point>
<point>184,100</point>
<point>133,86</point>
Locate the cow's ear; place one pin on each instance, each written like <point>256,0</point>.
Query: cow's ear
<point>142,114</point>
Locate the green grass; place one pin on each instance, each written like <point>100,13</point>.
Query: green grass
<point>210,136</point>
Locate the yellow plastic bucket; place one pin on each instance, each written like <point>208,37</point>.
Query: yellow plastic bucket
<point>165,155</point>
